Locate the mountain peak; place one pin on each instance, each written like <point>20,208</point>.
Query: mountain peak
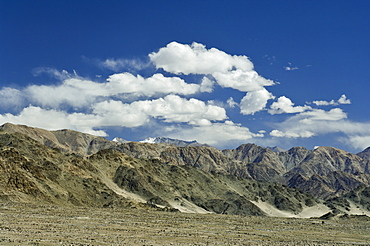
<point>120,140</point>
<point>177,142</point>
<point>365,154</point>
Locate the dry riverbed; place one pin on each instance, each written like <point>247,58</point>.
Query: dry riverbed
<point>49,225</point>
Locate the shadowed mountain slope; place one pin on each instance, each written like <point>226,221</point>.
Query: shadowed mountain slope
<point>365,154</point>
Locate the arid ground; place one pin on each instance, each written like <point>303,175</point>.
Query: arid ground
<point>22,224</point>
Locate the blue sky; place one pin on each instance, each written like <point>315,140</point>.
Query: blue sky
<point>274,73</point>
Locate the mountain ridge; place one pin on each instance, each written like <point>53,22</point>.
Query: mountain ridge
<point>32,172</point>
<point>325,172</point>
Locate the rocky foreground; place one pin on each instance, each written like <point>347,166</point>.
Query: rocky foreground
<point>27,224</point>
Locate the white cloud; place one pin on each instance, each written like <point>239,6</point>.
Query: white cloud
<point>324,103</point>
<point>311,123</point>
<point>290,134</point>
<point>173,108</point>
<point>10,97</point>
<point>231,102</point>
<point>156,84</point>
<point>242,80</point>
<point>53,120</point>
<point>206,85</point>
<point>342,100</point>
<point>359,142</point>
<point>356,134</point>
<point>117,65</point>
<point>285,105</point>
<point>53,73</point>
<point>318,122</point>
<point>309,117</point>
<point>290,67</point>
<point>227,132</point>
<point>196,59</point>
<point>79,92</point>
<point>170,109</point>
<point>255,101</point>
<point>116,113</point>
<point>229,71</point>
<point>75,92</point>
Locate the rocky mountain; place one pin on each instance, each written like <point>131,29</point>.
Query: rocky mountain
<point>120,140</point>
<point>33,172</point>
<point>276,149</point>
<point>177,142</point>
<point>66,140</point>
<point>324,172</point>
<point>205,158</point>
<point>358,199</point>
<point>365,154</point>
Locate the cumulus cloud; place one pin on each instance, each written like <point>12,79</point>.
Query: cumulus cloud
<point>229,71</point>
<point>79,92</point>
<point>255,101</point>
<point>342,100</point>
<point>206,85</point>
<point>69,92</point>
<point>156,84</point>
<point>242,80</point>
<point>285,105</point>
<point>196,59</point>
<point>171,109</point>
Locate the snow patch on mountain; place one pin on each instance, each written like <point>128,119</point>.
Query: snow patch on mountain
<point>177,142</point>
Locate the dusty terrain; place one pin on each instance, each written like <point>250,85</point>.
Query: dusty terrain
<point>22,224</point>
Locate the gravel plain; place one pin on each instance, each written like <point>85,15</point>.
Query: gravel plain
<point>29,224</point>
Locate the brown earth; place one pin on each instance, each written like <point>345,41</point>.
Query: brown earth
<point>29,224</point>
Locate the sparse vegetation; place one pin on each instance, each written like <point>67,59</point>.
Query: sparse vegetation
<point>27,224</point>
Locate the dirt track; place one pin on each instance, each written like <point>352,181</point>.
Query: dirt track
<point>46,225</point>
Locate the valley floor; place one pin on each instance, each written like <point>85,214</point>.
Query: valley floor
<point>22,224</point>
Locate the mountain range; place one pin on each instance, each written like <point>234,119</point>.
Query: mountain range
<point>71,168</point>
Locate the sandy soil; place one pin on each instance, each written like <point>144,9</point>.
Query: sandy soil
<point>47,225</point>
<point>308,212</point>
